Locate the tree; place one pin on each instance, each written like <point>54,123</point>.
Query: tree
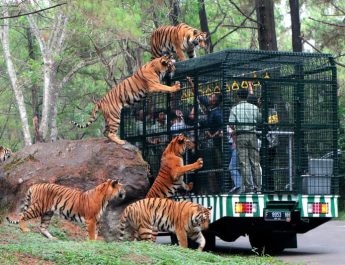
<point>204,24</point>
<point>265,17</point>
<point>295,26</point>
<point>17,89</point>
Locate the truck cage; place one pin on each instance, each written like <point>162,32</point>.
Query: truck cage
<point>297,135</point>
<point>300,89</point>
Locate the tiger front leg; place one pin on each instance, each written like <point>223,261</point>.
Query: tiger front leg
<point>182,238</point>
<point>180,54</point>
<point>158,87</point>
<point>187,187</point>
<point>200,239</point>
<point>180,170</point>
<point>91,229</point>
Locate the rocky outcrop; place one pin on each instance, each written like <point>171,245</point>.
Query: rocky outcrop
<point>82,164</point>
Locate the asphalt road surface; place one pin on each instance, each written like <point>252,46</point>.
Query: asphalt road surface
<point>322,245</point>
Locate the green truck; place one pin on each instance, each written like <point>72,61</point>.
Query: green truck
<point>297,141</point>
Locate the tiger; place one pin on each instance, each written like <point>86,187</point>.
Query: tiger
<point>43,199</point>
<point>181,38</point>
<point>5,153</point>
<point>186,219</point>
<point>170,175</point>
<point>145,80</point>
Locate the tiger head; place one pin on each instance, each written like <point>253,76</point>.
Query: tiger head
<point>179,144</point>
<point>165,64</point>
<point>114,189</point>
<point>201,217</point>
<point>198,39</point>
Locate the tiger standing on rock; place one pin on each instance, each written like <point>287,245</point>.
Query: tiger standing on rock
<point>185,219</point>
<point>170,175</point>
<point>42,200</point>
<point>145,80</point>
<point>5,153</point>
<point>181,38</point>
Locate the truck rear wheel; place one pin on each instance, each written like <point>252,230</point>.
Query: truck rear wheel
<point>265,243</point>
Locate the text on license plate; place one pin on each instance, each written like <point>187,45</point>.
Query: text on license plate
<point>277,215</point>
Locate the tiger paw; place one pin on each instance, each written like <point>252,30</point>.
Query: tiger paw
<point>177,86</point>
<point>199,163</point>
<point>190,186</point>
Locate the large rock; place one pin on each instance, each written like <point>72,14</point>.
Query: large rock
<point>82,164</point>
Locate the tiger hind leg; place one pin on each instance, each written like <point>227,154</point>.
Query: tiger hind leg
<point>45,221</point>
<point>30,212</point>
<point>145,233</point>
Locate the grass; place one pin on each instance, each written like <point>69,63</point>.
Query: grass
<point>341,215</point>
<point>32,248</point>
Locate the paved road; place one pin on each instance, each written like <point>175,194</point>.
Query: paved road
<point>322,245</point>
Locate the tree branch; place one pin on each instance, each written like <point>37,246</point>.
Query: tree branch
<point>227,34</point>
<point>318,50</point>
<point>327,23</point>
<point>34,12</point>
<point>239,10</point>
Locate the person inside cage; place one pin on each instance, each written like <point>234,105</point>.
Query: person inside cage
<point>213,133</point>
<point>244,118</point>
<point>233,165</point>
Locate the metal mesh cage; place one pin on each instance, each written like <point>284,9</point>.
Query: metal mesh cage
<point>296,95</point>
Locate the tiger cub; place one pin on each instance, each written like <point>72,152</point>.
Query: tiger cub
<point>185,219</point>
<point>170,175</point>
<point>42,200</point>
<point>145,80</point>
<point>5,153</point>
<point>181,38</point>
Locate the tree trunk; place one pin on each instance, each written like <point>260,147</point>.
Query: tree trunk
<point>34,92</point>
<point>13,77</point>
<point>204,24</point>
<point>267,32</point>
<point>295,26</point>
<point>174,12</point>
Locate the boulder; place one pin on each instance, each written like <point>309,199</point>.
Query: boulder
<point>81,164</point>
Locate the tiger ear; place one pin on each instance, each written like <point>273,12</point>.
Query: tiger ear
<point>164,60</point>
<point>195,31</point>
<point>180,138</point>
<point>209,208</point>
<point>114,183</point>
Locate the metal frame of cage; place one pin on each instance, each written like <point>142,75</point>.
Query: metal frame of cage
<point>301,87</point>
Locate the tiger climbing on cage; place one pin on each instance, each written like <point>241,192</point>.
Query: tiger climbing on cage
<point>146,80</point>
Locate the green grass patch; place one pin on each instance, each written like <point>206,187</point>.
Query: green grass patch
<point>341,215</point>
<point>18,248</point>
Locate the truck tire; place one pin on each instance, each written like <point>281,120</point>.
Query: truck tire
<point>264,243</point>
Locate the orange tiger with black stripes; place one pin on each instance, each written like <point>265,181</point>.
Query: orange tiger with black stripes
<point>145,80</point>
<point>181,38</point>
<point>184,218</point>
<point>42,200</point>
<point>170,175</point>
<point>5,153</point>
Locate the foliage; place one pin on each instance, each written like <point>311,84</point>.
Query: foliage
<point>16,247</point>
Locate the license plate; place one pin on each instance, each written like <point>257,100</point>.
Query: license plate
<point>277,215</point>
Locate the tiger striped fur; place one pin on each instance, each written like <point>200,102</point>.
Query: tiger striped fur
<point>185,219</point>
<point>145,80</point>
<point>42,200</point>
<point>5,153</point>
<point>181,38</point>
<point>170,175</point>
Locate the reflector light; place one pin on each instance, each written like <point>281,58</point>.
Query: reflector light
<point>245,207</point>
<point>318,208</point>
